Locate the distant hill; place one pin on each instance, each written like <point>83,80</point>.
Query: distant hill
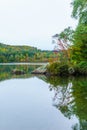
<point>10,53</point>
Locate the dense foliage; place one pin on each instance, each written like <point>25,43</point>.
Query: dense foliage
<point>79,49</point>
<point>57,68</point>
<point>73,44</point>
<point>24,54</point>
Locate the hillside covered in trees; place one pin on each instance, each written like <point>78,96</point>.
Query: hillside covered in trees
<point>10,53</point>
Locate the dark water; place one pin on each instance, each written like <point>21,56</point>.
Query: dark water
<point>29,102</point>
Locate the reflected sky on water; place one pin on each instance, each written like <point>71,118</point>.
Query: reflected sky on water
<point>27,104</point>
<point>41,103</point>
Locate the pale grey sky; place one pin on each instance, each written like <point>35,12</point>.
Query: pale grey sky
<point>33,22</point>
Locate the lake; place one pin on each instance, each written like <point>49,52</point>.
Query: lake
<point>37,102</point>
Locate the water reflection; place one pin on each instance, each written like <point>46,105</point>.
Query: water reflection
<point>69,94</point>
<point>6,71</point>
<point>70,97</point>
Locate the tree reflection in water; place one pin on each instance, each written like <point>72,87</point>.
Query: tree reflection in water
<point>70,97</point>
<point>6,71</point>
<point>70,94</point>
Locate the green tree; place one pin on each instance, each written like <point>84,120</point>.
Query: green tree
<point>79,51</point>
<point>79,12</point>
<point>64,41</point>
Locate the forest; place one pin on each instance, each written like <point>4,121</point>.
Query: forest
<point>10,53</point>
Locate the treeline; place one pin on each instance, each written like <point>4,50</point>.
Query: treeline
<point>10,53</point>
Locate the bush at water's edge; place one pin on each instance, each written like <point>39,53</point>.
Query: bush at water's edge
<point>64,69</point>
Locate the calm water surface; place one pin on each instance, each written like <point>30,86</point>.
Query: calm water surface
<point>29,102</point>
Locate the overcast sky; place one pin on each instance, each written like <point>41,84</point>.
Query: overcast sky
<point>33,22</point>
